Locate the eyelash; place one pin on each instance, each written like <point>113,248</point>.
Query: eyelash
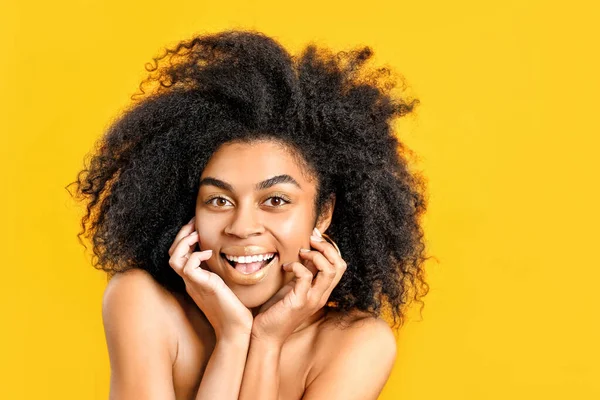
<point>287,201</point>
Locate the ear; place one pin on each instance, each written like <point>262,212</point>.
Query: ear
<point>324,219</point>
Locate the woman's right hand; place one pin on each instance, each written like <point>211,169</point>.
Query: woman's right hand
<point>230,319</point>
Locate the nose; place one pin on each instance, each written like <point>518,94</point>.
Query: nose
<point>244,223</point>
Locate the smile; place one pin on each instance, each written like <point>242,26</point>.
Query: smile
<point>249,269</point>
<point>249,259</point>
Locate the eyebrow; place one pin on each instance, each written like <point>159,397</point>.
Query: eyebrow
<point>267,183</point>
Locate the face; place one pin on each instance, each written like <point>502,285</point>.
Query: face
<point>254,210</point>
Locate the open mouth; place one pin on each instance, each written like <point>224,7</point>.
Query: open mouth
<point>250,264</point>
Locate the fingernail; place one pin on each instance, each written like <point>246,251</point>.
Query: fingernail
<point>191,220</point>
<point>304,251</point>
<point>317,238</point>
<point>207,252</point>
<point>194,233</point>
<point>316,232</point>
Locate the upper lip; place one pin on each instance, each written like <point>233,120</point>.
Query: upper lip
<point>251,250</point>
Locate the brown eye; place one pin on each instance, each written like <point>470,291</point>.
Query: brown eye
<point>276,201</point>
<point>219,202</point>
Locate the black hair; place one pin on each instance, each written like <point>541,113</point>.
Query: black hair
<point>141,181</point>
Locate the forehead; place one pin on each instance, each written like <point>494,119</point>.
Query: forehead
<point>241,163</point>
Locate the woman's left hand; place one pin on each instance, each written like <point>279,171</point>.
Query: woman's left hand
<point>302,296</point>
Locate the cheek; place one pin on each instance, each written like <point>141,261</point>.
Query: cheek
<point>290,229</point>
<point>207,234</point>
<point>293,230</point>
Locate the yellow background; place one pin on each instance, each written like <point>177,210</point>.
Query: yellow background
<point>507,133</point>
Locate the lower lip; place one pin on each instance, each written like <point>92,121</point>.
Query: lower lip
<point>249,279</point>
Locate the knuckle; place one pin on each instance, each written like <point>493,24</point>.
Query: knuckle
<point>188,269</point>
<point>332,252</point>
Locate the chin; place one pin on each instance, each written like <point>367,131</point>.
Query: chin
<point>252,290</point>
<point>252,297</point>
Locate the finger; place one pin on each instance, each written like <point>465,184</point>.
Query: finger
<point>183,252</point>
<point>303,279</point>
<point>326,276</point>
<point>206,282</point>
<point>328,250</point>
<point>277,296</point>
<point>311,267</point>
<point>332,255</point>
<point>183,232</point>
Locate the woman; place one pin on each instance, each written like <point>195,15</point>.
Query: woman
<point>208,200</point>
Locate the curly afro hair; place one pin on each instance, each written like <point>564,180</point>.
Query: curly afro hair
<point>141,181</point>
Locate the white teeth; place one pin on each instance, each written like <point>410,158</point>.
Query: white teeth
<point>249,259</point>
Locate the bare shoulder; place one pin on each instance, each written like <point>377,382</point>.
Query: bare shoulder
<point>141,340</point>
<point>338,333</point>
<point>136,293</point>
<point>354,356</point>
<point>136,280</point>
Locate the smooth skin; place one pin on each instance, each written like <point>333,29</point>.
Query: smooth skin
<point>268,340</point>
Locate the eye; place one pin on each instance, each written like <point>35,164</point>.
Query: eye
<point>276,201</point>
<point>218,202</point>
